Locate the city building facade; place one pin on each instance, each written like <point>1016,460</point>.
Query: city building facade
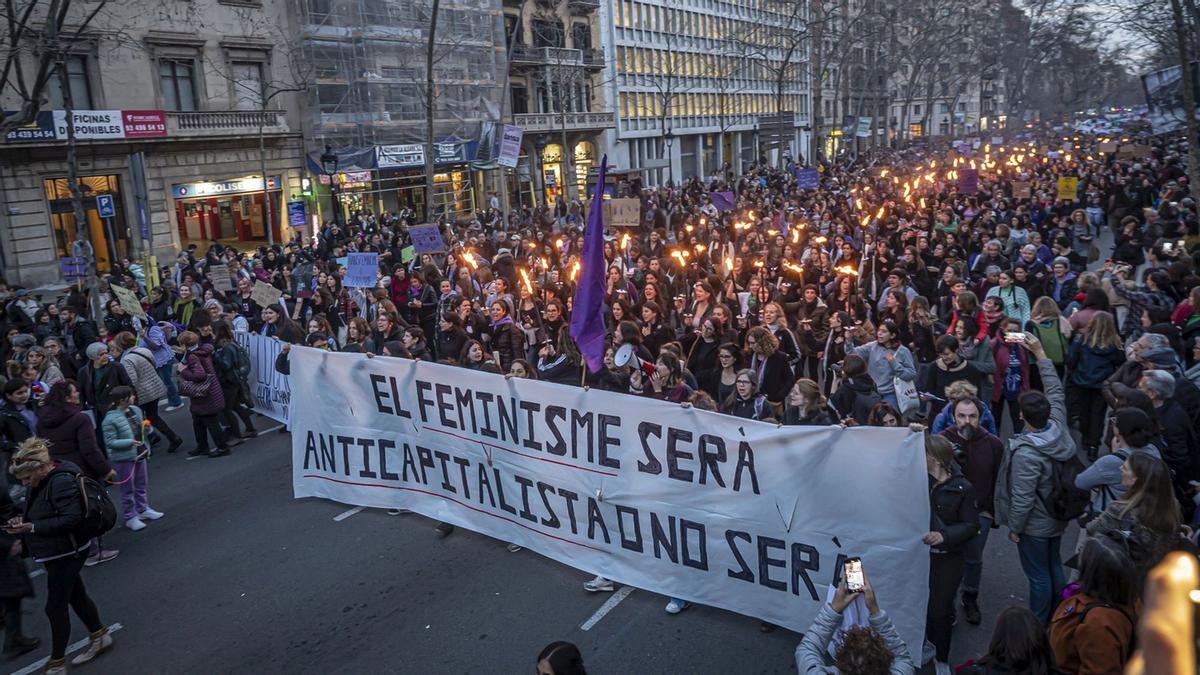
<point>175,130</point>
<point>700,84</point>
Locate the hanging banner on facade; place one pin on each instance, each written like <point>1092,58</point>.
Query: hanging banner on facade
<point>111,124</point>
<point>394,156</point>
<point>510,146</point>
<point>270,389</point>
<point>731,513</point>
<point>362,270</point>
<point>426,239</point>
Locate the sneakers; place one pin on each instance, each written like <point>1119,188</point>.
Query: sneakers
<point>676,606</point>
<point>151,514</point>
<point>598,584</point>
<point>232,441</point>
<point>513,548</point>
<point>135,524</point>
<point>102,557</point>
<point>101,642</point>
<point>942,668</point>
<point>55,667</point>
<point>196,452</point>
<point>443,529</point>
<point>397,512</point>
<point>173,407</point>
<point>219,452</point>
<point>970,603</point>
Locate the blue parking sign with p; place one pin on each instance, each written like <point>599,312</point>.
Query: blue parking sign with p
<point>104,204</point>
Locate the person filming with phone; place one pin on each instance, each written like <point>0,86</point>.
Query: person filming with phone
<point>864,650</point>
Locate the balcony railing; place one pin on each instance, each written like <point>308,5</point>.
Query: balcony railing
<point>583,6</point>
<point>557,56</point>
<point>572,121</point>
<point>225,123</point>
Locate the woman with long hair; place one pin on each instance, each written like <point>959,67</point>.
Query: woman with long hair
<point>277,324</point>
<point>887,359</point>
<point>953,521</point>
<point>807,406</point>
<point>745,401</point>
<point>358,331</point>
<point>1094,355</point>
<point>773,373</point>
<point>1047,324</point>
<point>1092,631</point>
<point>729,363</point>
<point>1016,300</point>
<point>234,387</point>
<point>1019,645</point>
<point>1145,520</point>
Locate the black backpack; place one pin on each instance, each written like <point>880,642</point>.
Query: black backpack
<point>99,512</point>
<point>1065,501</point>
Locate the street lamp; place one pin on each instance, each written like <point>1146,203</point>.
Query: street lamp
<point>668,138</point>
<point>329,162</point>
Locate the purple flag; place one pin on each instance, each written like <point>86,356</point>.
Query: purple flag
<point>587,313</point>
<point>722,200</point>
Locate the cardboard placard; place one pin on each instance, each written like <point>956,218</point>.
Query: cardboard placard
<point>265,294</point>
<point>221,281</point>
<point>1107,148</point>
<point>426,239</point>
<point>362,270</point>
<point>407,254</point>
<point>1022,189</point>
<point>129,301</point>
<point>1068,188</point>
<point>625,212</point>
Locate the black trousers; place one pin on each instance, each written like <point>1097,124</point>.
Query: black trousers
<point>945,574</point>
<point>150,409</point>
<point>65,591</point>
<point>1087,407</point>
<point>204,426</point>
<point>12,619</point>
<point>234,410</point>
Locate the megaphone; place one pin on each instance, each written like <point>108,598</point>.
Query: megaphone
<point>627,356</point>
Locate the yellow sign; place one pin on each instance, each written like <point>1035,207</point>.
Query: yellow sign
<point>1068,188</point>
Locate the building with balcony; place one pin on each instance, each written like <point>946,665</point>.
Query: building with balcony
<point>178,116</point>
<point>690,81</point>
<point>555,95</point>
<point>367,99</point>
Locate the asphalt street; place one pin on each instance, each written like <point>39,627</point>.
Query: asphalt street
<point>241,577</point>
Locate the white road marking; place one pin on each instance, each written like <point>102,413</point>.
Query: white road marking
<point>41,663</point>
<point>609,605</point>
<point>277,427</point>
<point>346,514</point>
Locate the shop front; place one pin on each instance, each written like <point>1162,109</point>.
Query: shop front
<point>230,210</point>
<point>402,178</point>
<point>555,173</point>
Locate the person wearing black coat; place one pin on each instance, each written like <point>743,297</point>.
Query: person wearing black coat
<point>79,332</point>
<point>953,521</point>
<point>17,410</point>
<point>14,585</point>
<point>770,365</point>
<point>97,379</point>
<point>53,514</point>
<point>508,340</point>
<point>451,338</point>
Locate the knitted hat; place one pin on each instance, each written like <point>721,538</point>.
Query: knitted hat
<point>1061,260</point>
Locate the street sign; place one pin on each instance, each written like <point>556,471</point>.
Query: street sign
<point>104,204</point>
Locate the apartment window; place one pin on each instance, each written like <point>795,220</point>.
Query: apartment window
<point>520,99</point>
<point>943,107</point>
<point>177,79</point>
<point>548,34</point>
<point>916,110</point>
<point>581,36</point>
<point>247,85</point>
<point>77,80</point>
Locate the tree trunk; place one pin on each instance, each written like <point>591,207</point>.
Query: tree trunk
<point>429,111</point>
<point>262,167</point>
<point>1189,93</point>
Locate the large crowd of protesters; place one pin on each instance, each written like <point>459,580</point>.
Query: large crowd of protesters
<point>1044,334</point>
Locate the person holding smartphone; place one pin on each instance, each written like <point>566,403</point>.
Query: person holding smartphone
<point>876,648</point>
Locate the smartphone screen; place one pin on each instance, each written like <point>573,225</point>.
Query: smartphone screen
<point>854,575</point>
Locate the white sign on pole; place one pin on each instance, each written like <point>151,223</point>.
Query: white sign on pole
<point>731,513</point>
<point>510,146</point>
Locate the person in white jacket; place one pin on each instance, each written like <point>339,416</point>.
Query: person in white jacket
<point>864,649</point>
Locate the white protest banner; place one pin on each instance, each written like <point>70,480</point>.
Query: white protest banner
<point>269,389</point>
<point>732,513</point>
<point>362,270</point>
<point>626,212</point>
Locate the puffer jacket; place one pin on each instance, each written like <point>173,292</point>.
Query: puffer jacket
<point>119,434</point>
<point>139,366</point>
<point>1023,486</point>
<point>812,650</point>
<point>508,342</point>
<point>72,439</point>
<point>198,367</point>
<point>55,508</point>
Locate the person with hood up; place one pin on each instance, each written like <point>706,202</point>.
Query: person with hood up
<point>200,383</point>
<point>856,395</point>
<point>1024,483</point>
